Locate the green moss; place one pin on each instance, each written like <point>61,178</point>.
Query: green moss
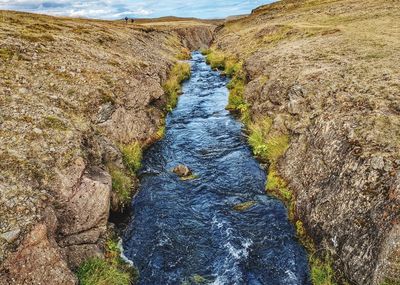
<point>278,186</point>
<point>190,177</point>
<point>122,186</point>
<point>54,123</point>
<point>321,271</point>
<point>132,156</point>
<point>198,279</point>
<point>109,271</point>
<point>244,206</point>
<point>160,132</point>
<point>172,87</point>
<point>390,282</point>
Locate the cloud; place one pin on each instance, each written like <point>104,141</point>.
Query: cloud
<point>107,9</point>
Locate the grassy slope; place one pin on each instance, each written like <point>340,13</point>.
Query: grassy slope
<point>56,75</point>
<point>331,66</point>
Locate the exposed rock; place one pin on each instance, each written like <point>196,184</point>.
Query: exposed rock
<point>73,92</point>
<point>182,170</point>
<point>38,259</point>
<point>11,236</point>
<point>337,99</point>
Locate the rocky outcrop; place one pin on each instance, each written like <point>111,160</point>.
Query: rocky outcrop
<point>316,68</point>
<point>72,91</point>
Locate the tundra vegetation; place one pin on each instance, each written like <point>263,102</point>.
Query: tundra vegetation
<point>111,270</point>
<point>77,110</point>
<point>268,146</point>
<point>172,87</point>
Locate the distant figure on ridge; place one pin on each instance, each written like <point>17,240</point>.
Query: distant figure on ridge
<point>126,20</point>
<point>132,21</point>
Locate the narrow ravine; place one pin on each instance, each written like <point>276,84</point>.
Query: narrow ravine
<point>199,231</point>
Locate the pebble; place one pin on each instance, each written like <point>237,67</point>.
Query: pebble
<point>11,236</point>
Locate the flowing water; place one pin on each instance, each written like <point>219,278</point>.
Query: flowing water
<point>188,232</point>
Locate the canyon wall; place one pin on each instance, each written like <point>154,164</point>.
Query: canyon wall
<point>327,73</point>
<point>72,92</point>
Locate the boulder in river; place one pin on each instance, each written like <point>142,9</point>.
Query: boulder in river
<point>182,171</point>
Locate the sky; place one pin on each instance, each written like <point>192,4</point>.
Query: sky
<point>108,9</point>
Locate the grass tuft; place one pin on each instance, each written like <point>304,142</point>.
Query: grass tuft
<point>97,271</point>
<point>185,54</point>
<point>265,146</point>
<point>321,272</point>
<point>278,186</point>
<point>172,87</point>
<point>109,271</point>
<point>215,59</point>
<point>122,187</point>
<point>132,156</point>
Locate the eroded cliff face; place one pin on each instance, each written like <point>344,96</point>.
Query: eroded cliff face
<point>71,92</point>
<point>327,73</point>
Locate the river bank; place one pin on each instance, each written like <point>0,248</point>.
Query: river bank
<point>79,100</point>
<point>319,80</point>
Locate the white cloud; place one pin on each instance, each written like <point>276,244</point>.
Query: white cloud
<point>107,9</point>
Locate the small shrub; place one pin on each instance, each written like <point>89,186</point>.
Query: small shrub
<point>132,156</point>
<point>390,282</point>
<point>232,67</point>
<point>198,279</point>
<point>122,186</point>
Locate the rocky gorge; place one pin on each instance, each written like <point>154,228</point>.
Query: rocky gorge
<point>74,93</point>
<point>79,97</point>
<point>324,75</point>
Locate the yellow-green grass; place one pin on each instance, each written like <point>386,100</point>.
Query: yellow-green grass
<point>266,146</point>
<point>132,156</point>
<point>184,54</point>
<point>215,59</point>
<point>111,270</point>
<point>121,186</point>
<point>172,87</point>
<point>233,69</point>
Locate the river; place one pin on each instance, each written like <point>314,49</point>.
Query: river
<point>190,232</point>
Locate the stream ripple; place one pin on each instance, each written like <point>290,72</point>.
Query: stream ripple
<point>188,232</point>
